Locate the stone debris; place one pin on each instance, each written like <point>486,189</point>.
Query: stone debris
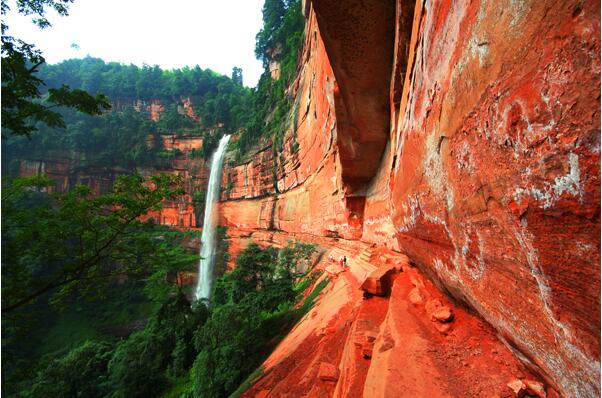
<point>415,296</point>
<point>378,282</point>
<point>443,328</point>
<point>432,305</point>
<point>328,372</point>
<point>443,314</point>
<point>518,387</point>
<point>536,388</point>
<point>528,388</point>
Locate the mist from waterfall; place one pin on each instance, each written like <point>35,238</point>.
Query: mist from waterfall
<point>205,278</point>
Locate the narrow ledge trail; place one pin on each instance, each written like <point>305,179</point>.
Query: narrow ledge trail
<point>414,342</point>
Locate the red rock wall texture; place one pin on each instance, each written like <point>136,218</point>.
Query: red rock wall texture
<point>496,189</point>
<point>64,170</point>
<point>183,143</point>
<point>489,179</point>
<point>300,190</point>
<point>59,166</point>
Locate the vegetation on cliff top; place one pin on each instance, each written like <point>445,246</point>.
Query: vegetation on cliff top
<point>216,99</point>
<point>120,138</point>
<point>278,42</point>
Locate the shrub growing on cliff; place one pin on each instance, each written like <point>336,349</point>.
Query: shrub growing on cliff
<point>278,41</point>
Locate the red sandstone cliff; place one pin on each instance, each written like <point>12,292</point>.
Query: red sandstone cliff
<point>67,168</point>
<point>465,135</point>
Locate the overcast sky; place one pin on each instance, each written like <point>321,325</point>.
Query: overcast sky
<point>215,34</point>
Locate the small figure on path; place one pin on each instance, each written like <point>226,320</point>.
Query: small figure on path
<point>344,261</point>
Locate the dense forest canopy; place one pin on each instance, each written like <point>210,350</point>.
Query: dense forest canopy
<point>216,93</point>
<point>81,266</point>
<point>118,137</point>
<point>223,105</point>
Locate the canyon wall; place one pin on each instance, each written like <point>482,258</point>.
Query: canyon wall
<point>500,116</point>
<point>67,169</point>
<point>299,189</point>
<point>180,155</point>
<point>466,135</point>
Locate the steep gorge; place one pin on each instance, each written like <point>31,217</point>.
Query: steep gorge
<point>466,136</point>
<point>451,151</point>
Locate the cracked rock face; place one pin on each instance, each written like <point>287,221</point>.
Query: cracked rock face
<point>488,176</point>
<point>502,123</point>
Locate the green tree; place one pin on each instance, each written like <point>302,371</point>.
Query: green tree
<point>23,102</point>
<point>80,373</point>
<point>273,13</point>
<point>279,40</point>
<point>237,75</point>
<point>250,305</point>
<point>228,345</point>
<point>75,242</point>
<point>144,364</point>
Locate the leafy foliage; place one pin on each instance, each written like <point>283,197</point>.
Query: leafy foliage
<point>143,364</point>
<point>23,102</point>
<point>217,98</point>
<point>278,41</point>
<point>218,347</point>
<point>62,243</point>
<point>237,75</point>
<point>81,373</point>
<point>35,335</point>
<point>251,305</point>
<point>127,137</point>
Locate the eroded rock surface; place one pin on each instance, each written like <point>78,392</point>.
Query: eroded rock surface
<point>348,346</point>
<point>488,177</point>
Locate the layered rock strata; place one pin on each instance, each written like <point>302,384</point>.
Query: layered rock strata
<point>488,174</point>
<point>66,170</point>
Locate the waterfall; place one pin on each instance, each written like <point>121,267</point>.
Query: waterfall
<point>205,278</point>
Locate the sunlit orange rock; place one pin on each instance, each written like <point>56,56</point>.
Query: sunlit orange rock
<point>487,171</point>
<point>155,108</point>
<point>379,281</point>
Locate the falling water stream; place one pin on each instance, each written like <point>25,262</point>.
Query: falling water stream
<point>205,279</point>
